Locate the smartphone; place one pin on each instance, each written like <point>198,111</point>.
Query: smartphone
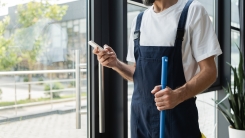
<point>93,44</point>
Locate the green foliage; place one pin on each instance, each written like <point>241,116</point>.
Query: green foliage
<point>55,86</point>
<point>8,56</point>
<point>2,4</point>
<point>30,15</point>
<point>72,84</point>
<point>235,114</point>
<point>26,79</point>
<point>40,79</point>
<point>32,12</point>
<point>4,24</point>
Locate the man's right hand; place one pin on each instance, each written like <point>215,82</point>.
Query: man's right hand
<point>106,57</point>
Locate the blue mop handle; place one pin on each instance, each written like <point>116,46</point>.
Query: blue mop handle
<point>163,83</point>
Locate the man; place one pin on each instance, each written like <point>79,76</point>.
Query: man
<point>182,31</point>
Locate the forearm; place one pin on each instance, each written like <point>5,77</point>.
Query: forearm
<point>197,84</point>
<point>168,98</point>
<point>126,71</point>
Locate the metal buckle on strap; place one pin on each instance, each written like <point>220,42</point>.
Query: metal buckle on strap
<point>136,34</point>
<point>180,34</point>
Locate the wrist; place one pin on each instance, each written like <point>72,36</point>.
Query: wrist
<point>182,93</point>
<point>116,66</point>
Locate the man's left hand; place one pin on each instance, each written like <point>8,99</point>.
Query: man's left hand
<point>166,98</point>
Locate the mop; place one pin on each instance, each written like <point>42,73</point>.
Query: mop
<point>164,84</point>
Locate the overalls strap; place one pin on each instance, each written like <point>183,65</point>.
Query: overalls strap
<point>138,25</point>
<point>137,34</point>
<point>181,25</point>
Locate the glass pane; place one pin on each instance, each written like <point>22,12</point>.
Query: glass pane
<point>206,113</point>
<point>235,42</point>
<point>209,6</point>
<point>235,14</point>
<point>38,40</point>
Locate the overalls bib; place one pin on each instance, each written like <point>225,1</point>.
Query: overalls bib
<point>181,121</point>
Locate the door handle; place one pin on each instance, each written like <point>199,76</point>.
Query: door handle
<point>101,100</point>
<point>78,94</point>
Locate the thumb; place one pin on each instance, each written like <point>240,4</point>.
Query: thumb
<point>156,89</point>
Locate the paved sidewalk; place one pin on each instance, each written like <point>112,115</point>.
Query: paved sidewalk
<point>53,126</point>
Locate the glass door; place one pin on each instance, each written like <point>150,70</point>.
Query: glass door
<point>38,40</point>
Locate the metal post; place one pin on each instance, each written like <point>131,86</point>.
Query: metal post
<point>101,101</point>
<point>88,30</point>
<point>78,96</point>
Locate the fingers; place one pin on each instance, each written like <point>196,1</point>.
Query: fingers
<point>102,56</point>
<point>165,91</point>
<point>163,105</point>
<point>102,52</point>
<point>164,99</point>
<point>108,48</point>
<point>156,89</point>
<point>96,50</point>
<point>161,108</point>
<point>107,60</point>
<point>107,57</point>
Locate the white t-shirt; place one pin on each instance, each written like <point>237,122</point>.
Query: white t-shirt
<point>159,29</point>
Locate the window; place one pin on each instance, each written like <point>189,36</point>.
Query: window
<point>235,14</point>
<point>37,62</point>
<point>235,36</point>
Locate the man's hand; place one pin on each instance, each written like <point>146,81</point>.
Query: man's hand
<point>166,98</point>
<point>106,57</point>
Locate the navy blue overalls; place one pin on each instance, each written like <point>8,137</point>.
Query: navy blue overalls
<point>182,121</point>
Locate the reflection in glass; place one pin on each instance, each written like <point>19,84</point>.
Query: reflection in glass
<point>38,36</point>
<point>235,14</point>
<point>209,6</point>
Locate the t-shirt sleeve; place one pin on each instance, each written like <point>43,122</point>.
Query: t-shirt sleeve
<point>130,55</point>
<point>204,41</point>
